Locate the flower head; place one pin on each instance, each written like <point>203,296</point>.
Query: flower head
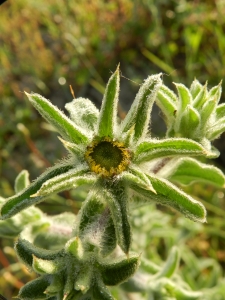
<point>110,155</point>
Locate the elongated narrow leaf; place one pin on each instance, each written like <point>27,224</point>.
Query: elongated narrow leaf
<point>71,179</point>
<point>207,110</point>
<point>136,179</point>
<point>185,97</point>
<point>195,88</point>
<point>169,93</point>
<point>23,199</point>
<point>168,147</point>
<point>100,291</point>
<point>95,224</point>
<point>117,272</point>
<point>215,92</point>
<point>200,99</point>
<point>171,264</point>
<point>25,251</point>
<point>122,199</point>
<point>119,212</point>
<point>139,113</point>
<point>168,194</point>
<point>220,111</point>
<point>216,130</point>
<point>189,122</point>
<point>188,170</point>
<point>59,120</point>
<point>55,287</point>
<point>108,112</point>
<point>83,113</point>
<point>90,210</point>
<point>167,105</point>
<point>35,289</point>
<point>83,279</point>
<point>22,181</point>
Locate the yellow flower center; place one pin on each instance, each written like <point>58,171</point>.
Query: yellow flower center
<point>107,157</point>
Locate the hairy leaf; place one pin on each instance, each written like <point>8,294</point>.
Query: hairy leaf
<point>188,170</point>
<point>83,113</point>
<point>151,149</point>
<point>23,199</point>
<point>168,194</point>
<point>117,272</point>
<point>22,181</point>
<point>108,113</point>
<point>58,119</point>
<point>139,113</point>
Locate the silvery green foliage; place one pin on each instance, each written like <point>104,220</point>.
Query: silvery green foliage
<point>194,113</point>
<point>78,257</point>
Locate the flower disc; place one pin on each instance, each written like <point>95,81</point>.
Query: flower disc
<point>107,157</point>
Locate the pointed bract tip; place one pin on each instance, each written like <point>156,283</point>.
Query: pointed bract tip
<point>34,195</point>
<point>27,94</point>
<point>153,190</point>
<point>118,67</point>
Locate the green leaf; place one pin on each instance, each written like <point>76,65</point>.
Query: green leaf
<point>108,113</point>
<point>188,170</point>
<point>22,181</point>
<point>201,98</point>
<point>152,149</point>
<point>139,113</point>
<point>189,122</point>
<point>12,227</point>
<point>118,272</point>
<point>73,246</point>
<point>168,194</point>
<point>195,88</point>
<point>216,129</point>
<point>83,113</point>
<point>90,210</point>
<point>84,278</point>
<point>55,287</point>
<point>220,111</point>
<point>206,111</point>
<point>149,266</point>
<point>100,291</point>
<point>95,224</point>
<point>135,179</point>
<point>169,93</point>
<point>118,209</point>
<point>71,179</point>
<point>41,266</point>
<point>35,289</point>
<point>23,199</point>
<point>25,251</point>
<point>171,264</point>
<point>58,119</point>
<point>73,148</point>
<point>167,105</point>
<point>215,93</point>
<point>185,97</point>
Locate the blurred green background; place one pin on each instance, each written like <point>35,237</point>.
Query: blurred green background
<point>45,46</point>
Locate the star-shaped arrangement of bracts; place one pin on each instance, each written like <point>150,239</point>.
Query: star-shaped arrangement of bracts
<point>112,157</point>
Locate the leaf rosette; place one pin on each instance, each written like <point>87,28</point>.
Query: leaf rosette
<point>111,157</point>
